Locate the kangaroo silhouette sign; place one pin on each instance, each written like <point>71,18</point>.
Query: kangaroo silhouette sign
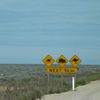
<point>75,61</point>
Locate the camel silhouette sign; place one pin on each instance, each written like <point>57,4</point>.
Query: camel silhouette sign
<point>48,60</point>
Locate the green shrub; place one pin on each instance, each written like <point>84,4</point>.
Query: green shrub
<point>81,82</point>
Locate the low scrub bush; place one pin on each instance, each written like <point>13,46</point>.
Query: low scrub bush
<point>81,82</point>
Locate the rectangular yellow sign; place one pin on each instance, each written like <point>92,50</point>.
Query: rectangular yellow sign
<point>62,70</point>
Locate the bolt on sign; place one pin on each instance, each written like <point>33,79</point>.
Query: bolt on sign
<point>75,61</point>
<point>48,60</point>
<point>62,61</point>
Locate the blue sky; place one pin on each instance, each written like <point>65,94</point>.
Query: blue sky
<point>31,29</point>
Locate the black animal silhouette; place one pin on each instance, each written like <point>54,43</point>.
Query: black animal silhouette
<point>62,61</point>
<point>48,60</point>
<point>75,60</point>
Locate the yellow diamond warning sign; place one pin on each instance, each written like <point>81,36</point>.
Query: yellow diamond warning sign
<point>48,60</point>
<point>62,61</point>
<point>75,61</point>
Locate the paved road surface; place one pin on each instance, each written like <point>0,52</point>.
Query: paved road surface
<point>87,92</point>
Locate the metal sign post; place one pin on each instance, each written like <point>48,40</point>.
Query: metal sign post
<point>48,85</point>
<point>73,83</point>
